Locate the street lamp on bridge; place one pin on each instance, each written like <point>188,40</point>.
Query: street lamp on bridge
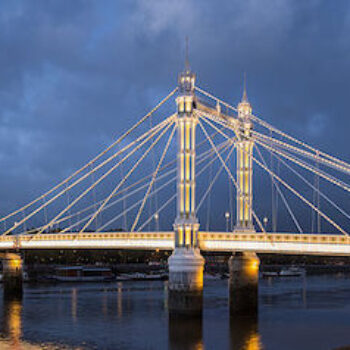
<point>227,217</point>
<point>156,219</point>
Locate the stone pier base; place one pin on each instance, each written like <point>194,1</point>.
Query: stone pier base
<point>185,294</point>
<point>243,283</point>
<point>12,276</point>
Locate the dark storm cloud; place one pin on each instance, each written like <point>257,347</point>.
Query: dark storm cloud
<point>75,74</point>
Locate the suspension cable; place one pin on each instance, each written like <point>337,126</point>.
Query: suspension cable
<point>169,120</point>
<point>273,197</point>
<point>281,194</point>
<point>277,131</point>
<point>44,204</point>
<point>120,139</point>
<point>158,211</point>
<point>291,189</point>
<point>229,173</point>
<point>209,198</point>
<point>214,179</point>
<point>316,156</point>
<point>299,195</point>
<point>201,157</point>
<point>174,196</point>
<point>145,135</point>
<point>153,179</point>
<point>158,189</point>
<point>307,166</point>
<point>286,155</point>
<point>127,175</point>
<point>222,148</point>
<point>313,187</point>
<point>270,127</point>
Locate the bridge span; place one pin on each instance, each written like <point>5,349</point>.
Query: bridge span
<point>279,243</point>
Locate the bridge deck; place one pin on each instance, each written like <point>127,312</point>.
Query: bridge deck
<point>287,243</point>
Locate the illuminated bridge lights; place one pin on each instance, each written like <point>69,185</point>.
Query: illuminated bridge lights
<point>289,243</point>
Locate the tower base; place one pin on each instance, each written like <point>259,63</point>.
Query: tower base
<point>12,276</point>
<point>243,283</point>
<point>185,286</point>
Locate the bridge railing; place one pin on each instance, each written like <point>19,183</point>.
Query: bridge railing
<point>166,235</point>
<point>274,237</point>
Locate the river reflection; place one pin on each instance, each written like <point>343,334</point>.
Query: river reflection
<point>244,333</point>
<point>12,321</point>
<point>293,314</point>
<point>185,333</point>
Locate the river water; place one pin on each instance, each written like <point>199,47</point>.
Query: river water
<point>295,313</point>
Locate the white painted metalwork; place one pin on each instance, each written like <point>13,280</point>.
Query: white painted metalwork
<point>289,243</point>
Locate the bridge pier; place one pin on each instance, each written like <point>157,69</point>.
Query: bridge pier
<point>12,276</point>
<point>185,286</point>
<point>243,283</point>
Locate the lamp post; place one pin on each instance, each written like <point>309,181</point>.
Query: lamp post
<point>227,217</point>
<point>156,219</point>
<point>265,221</point>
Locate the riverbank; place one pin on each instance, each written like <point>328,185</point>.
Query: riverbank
<point>42,272</point>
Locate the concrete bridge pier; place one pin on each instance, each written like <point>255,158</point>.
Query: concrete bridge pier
<point>185,286</point>
<point>243,283</point>
<point>12,276</point>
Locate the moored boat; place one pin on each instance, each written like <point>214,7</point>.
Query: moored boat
<point>83,274</point>
<point>270,273</point>
<point>138,276</point>
<point>291,271</point>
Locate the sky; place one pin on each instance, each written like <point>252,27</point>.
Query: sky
<point>75,74</point>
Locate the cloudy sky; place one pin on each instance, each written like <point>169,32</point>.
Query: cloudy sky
<point>75,74</point>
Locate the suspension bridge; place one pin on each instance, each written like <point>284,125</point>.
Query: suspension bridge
<point>120,187</point>
<point>235,125</point>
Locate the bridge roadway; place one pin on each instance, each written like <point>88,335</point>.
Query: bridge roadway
<point>286,243</point>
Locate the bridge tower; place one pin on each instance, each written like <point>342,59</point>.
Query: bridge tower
<point>244,218</point>
<point>186,263</point>
<point>244,266</point>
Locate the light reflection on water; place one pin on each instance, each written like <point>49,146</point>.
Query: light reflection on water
<point>313,313</point>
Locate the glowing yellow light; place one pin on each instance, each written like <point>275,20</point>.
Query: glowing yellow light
<point>180,236</point>
<point>253,343</point>
<point>188,125</point>
<point>182,167</point>
<point>182,141</point>
<point>187,166</point>
<point>15,263</point>
<point>253,266</point>
<point>181,197</point>
<point>187,200</point>
<point>14,321</point>
<point>188,235</point>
